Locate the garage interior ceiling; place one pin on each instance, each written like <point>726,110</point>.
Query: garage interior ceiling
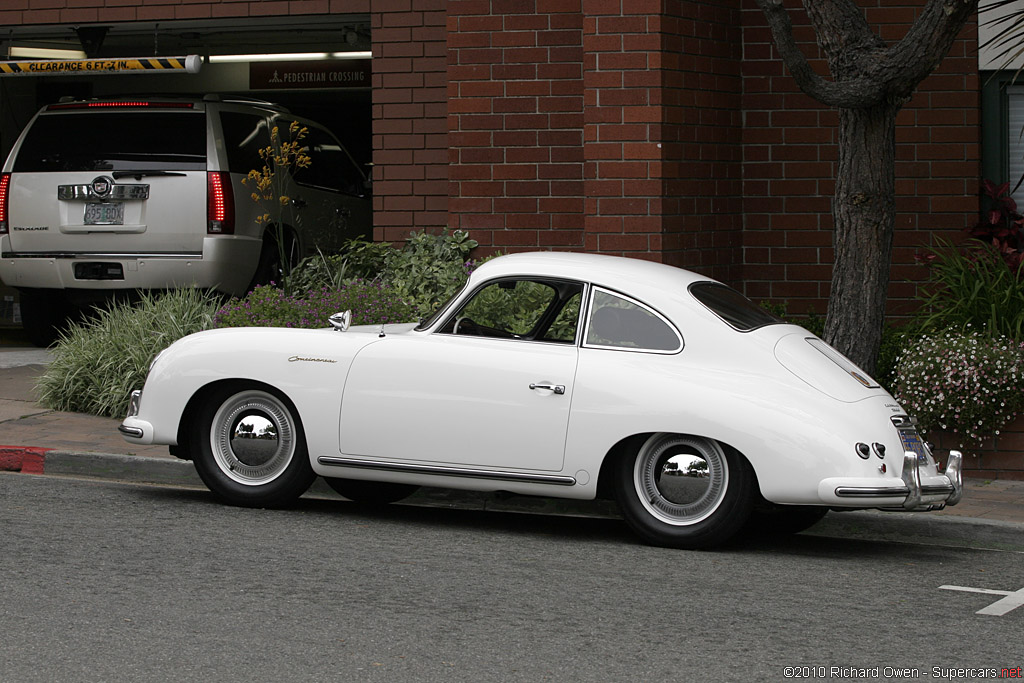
<point>332,33</point>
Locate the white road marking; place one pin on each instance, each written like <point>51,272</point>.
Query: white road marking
<point>1010,601</point>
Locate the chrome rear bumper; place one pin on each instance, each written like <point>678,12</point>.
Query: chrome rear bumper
<point>918,497</point>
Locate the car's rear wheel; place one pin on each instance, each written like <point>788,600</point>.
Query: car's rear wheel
<point>371,492</point>
<point>684,491</point>
<point>250,448</point>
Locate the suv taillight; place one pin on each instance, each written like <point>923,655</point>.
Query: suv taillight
<point>5,187</point>
<point>220,204</point>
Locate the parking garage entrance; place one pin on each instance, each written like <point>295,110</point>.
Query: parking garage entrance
<point>318,67</point>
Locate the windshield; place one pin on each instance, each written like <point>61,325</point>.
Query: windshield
<point>432,318</point>
<point>737,310</point>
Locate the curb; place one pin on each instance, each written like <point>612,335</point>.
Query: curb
<point>32,460</point>
<point>29,460</point>
<point>173,472</point>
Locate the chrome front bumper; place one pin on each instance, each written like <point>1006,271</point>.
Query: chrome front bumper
<point>918,496</point>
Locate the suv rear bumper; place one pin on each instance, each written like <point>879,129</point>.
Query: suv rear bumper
<point>226,263</point>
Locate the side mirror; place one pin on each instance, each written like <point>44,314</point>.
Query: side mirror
<point>341,321</point>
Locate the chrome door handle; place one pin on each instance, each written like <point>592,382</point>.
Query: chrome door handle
<point>557,388</point>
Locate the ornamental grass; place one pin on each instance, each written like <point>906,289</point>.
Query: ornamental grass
<point>97,363</point>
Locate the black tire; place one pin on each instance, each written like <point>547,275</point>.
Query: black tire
<point>43,315</point>
<point>783,520</point>
<point>371,492</point>
<point>242,467</point>
<point>682,491</point>
<point>269,268</point>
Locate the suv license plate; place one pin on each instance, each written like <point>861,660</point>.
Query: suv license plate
<point>107,213</point>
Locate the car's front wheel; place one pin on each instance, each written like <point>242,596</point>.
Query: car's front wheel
<point>250,449</point>
<point>684,491</point>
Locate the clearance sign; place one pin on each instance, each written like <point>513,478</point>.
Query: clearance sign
<point>43,67</point>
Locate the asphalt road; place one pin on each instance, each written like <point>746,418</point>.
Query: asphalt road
<point>102,581</point>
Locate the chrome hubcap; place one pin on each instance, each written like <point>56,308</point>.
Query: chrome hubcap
<point>680,479</point>
<point>252,438</point>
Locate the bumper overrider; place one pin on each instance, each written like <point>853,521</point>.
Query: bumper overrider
<point>917,493</point>
<point>131,429</point>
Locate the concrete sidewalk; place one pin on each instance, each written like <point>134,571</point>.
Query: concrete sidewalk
<point>34,439</point>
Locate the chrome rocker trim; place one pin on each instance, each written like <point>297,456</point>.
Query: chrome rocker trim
<point>912,487</point>
<point>443,471</point>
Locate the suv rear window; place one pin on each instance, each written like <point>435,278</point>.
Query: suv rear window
<point>115,141</point>
<point>740,312</point>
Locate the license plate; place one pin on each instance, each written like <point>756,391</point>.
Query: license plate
<point>107,213</point>
<point>912,442</point>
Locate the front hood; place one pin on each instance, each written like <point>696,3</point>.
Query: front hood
<point>822,367</point>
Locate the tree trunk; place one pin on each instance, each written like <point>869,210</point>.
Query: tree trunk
<point>864,212</point>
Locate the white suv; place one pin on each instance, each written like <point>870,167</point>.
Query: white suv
<point>105,195</point>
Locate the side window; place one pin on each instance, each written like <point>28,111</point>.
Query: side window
<point>563,329</point>
<point>520,309</point>
<point>330,165</point>
<point>244,136</point>
<point>617,322</point>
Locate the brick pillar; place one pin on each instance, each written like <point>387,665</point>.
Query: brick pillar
<point>662,132</point>
<point>410,175</point>
<point>516,122</point>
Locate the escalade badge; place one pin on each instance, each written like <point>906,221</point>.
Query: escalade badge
<point>101,186</point>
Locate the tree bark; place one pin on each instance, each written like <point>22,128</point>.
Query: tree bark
<point>864,211</point>
<point>869,82</point>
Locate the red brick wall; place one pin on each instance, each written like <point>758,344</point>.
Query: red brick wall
<point>606,125</point>
<point>789,162</point>
<point>1001,457</point>
<point>515,121</point>
<point>701,62</point>
<point>665,129</point>
<point>410,175</point>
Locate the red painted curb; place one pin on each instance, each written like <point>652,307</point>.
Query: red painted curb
<point>27,459</point>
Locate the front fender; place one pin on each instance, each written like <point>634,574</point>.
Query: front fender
<point>307,366</point>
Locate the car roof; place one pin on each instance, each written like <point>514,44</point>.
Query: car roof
<point>615,272</point>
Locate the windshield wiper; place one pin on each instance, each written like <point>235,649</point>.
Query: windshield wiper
<point>139,174</point>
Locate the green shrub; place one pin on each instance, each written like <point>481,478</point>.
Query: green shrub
<point>371,303</point>
<point>966,382</point>
<point>430,268</point>
<point>357,259</point>
<point>97,363</point>
<point>973,288</point>
<point>424,273</point>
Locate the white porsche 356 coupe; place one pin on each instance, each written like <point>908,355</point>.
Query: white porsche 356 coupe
<point>551,374</point>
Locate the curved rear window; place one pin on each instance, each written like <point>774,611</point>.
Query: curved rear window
<point>737,310</point>
<point>115,141</point>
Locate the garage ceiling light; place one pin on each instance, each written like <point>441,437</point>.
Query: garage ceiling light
<point>290,56</point>
<point>46,53</point>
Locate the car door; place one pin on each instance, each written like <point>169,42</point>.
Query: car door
<point>331,195</point>
<point>491,387</point>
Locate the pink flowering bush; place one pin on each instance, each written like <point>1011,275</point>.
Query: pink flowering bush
<point>371,303</point>
<point>965,382</point>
